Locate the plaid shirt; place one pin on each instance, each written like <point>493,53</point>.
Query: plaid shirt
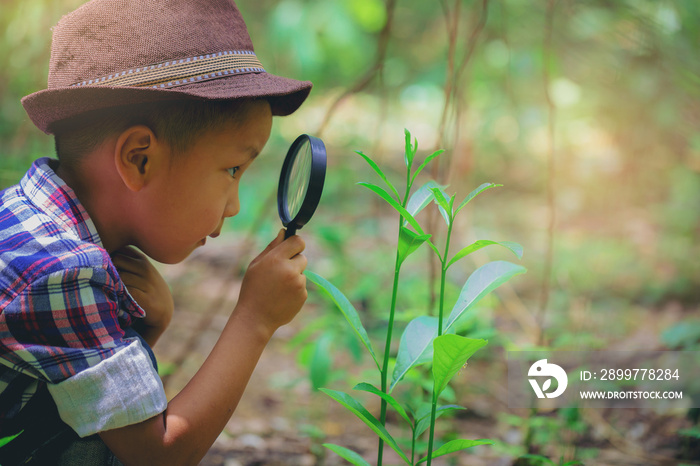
<point>63,308</point>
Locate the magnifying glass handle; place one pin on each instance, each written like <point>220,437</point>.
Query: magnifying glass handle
<point>290,231</point>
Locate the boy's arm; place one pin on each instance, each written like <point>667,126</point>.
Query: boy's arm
<point>273,291</point>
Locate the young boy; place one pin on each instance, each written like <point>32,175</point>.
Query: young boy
<point>158,108</point>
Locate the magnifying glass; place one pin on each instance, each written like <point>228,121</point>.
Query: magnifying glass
<point>301,182</point>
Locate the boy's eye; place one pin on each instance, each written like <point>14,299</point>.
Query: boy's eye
<point>232,171</point>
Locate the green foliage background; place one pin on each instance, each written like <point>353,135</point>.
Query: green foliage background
<point>623,78</point>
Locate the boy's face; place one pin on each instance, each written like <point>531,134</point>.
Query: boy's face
<point>190,197</point>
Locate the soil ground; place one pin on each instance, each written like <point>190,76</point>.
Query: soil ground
<point>281,421</point>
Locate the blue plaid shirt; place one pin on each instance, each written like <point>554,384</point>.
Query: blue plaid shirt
<point>63,309</point>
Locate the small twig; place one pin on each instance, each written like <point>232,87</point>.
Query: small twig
<point>551,171</point>
<point>376,68</point>
<point>454,86</point>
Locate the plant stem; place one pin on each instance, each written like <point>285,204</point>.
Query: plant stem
<point>387,350</point>
<point>390,327</point>
<point>442,279</point>
<point>443,275</point>
<point>413,445</point>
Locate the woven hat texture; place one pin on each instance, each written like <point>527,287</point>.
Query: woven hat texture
<point>119,52</point>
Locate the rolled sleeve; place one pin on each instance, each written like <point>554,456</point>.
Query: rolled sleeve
<point>121,390</point>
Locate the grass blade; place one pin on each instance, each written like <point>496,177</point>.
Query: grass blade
<point>5,440</point>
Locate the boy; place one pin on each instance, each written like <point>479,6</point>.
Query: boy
<point>158,107</point>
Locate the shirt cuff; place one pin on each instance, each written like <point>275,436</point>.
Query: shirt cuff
<point>121,390</point>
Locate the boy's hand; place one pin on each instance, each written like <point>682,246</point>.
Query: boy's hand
<point>274,287</point>
<point>148,288</point>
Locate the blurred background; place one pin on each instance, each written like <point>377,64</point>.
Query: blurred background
<point>586,111</point>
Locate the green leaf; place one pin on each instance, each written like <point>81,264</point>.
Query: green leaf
<point>346,308</point>
<point>450,353</point>
<point>361,412</point>
<point>475,193</point>
<point>457,445</point>
<point>409,150</point>
<point>389,399</point>
<point>347,454</point>
<point>415,346</point>
<point>379,172</point>
<point>321,361</point>
<point>424,422</point>
<point>415,341</point>
<point>475,246</point>
<point>481,282</point>
<point>443,205</point>
<point>393,203</point>
<point>427,160</point>
<point>409,242</point>
<point>422,197</point>
<point>5,440</point>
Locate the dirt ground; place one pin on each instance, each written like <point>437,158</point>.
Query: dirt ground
<point>281,421</point>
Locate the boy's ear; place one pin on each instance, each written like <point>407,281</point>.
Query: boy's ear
<point>134,155</point>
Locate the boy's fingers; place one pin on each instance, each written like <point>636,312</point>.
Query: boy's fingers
<point>300,261</point>
<point>292,246</point>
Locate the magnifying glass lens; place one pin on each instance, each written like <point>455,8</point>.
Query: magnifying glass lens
<point>298,181</point>
<point>301,182</point>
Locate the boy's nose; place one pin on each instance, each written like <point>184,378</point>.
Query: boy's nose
<point>233,206</point>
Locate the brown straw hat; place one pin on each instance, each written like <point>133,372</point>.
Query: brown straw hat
<point>119,52</point>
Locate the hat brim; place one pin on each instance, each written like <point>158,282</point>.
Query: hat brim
<point>50,106</point>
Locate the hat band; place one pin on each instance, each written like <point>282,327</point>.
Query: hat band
<point>183,71</point>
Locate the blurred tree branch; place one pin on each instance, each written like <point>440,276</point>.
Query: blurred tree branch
<point>551,171</point>
<point>453,92</point>
<point>375,70</point>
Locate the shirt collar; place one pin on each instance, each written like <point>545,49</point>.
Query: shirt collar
<point>56,199</point>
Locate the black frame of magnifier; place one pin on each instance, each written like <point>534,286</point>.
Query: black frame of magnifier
<point>317,177</point>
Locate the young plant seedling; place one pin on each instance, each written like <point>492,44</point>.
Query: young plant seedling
<point>426,338</point>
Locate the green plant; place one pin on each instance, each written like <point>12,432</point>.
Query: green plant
<point>5,440</point>
<point>539,460</point>
<point>426,338</point>
<point>553,433</point>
